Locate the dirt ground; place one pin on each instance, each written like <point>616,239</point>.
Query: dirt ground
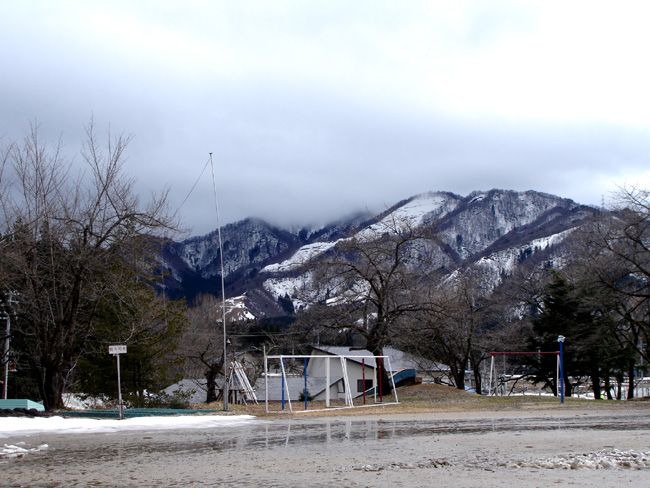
<point>433,438</point>
<point>430,398</point>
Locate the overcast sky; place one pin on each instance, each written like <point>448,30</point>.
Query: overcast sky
<point>315,109</point>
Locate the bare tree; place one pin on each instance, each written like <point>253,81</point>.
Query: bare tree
<point>66,241</point>
<point>367,283</point>
<point>202,344</point>
<point>449,327</point>
<point>374,279</point>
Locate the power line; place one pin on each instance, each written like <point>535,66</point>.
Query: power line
<point>205,166</point>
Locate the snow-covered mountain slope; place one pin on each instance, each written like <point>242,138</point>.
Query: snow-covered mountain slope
<point>237,309</point>
<point>294,288</point>
<point>302,256</point>
<point>485,217</point>
<point>413,212</point>
<point>496,230</point>
<point>193,266</point>
<point>504,262</point>
<point>492,229</point>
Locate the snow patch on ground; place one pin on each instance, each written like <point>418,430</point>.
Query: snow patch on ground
<point>19,449</point>
<point>76,401</point>
<point>603,459</point>
<point>10,426</point>
<point>397,466</point>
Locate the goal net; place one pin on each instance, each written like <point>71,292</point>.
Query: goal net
<point>299,383</point>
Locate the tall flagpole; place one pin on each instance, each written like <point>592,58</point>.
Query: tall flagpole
<point>223,293</point>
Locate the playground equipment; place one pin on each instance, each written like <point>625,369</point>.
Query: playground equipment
<point>333,381</point>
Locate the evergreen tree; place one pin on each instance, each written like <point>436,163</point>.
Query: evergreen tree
<point>150,327</point>
<point>583,314</point>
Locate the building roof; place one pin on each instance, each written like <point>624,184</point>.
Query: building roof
<point>195,388</point>
<point>399,360</point>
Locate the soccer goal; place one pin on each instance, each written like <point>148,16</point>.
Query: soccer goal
<point>504,376</point>
<point>300,383</point>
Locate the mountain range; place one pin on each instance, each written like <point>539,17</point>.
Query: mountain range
<point>495,230</point>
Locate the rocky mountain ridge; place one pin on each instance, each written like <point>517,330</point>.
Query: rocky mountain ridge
<point>492,229</point>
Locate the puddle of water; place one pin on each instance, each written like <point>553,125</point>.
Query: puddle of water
<point>287,433</point>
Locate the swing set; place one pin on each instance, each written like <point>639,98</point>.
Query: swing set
<point>496,381</point>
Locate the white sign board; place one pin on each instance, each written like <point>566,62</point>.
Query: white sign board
<point>117,349</point>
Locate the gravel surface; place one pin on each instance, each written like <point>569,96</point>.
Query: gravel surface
<point>603,447</point>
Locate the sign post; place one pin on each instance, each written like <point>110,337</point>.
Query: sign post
<point>116,350</point>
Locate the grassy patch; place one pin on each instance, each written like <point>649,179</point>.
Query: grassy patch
<point>431,398</point>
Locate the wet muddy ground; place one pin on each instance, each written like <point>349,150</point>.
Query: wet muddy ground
<point>452,449</point>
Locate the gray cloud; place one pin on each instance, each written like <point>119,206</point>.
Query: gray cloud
<point>313,110</point>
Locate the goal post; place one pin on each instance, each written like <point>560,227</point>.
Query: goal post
<point>325,382</point>
<point>493,383</point>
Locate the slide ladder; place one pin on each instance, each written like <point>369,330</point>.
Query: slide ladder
<point>245,386</point>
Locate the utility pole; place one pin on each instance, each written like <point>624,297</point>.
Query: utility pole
<point>223,293</point>
<point>7,317</point>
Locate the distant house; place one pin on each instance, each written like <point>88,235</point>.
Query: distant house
<point>399,360</point>
<point>194,390</point>
<point>401,366</point>
<point>360,373</point>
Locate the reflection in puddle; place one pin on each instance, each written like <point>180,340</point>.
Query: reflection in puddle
<point>292,433</point>
<point>335,431</point>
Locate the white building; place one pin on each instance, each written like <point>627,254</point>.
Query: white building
<point>362,371</point>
